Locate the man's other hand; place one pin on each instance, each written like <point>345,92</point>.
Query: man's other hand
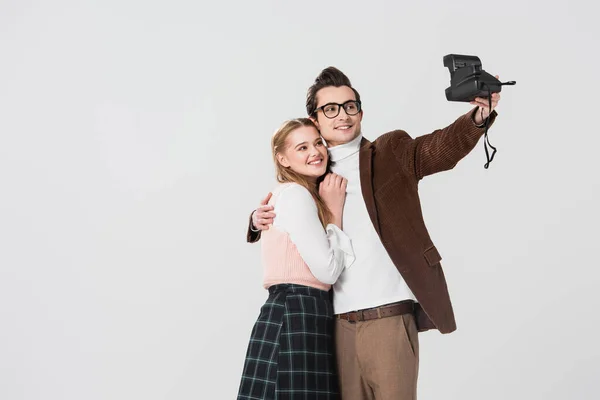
<point>263,216</point>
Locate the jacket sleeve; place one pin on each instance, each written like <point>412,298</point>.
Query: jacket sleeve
<point>440,150</point>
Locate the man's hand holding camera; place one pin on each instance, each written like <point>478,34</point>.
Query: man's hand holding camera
<point>484,110</point>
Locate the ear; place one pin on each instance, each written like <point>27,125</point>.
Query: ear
<point>316,122</point>
<point>283,160</point>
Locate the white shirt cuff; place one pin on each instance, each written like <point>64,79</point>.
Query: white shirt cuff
<point>341,245</point>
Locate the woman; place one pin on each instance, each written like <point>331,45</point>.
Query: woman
<point>290,354</point>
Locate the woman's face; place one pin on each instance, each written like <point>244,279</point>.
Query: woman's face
<point>305,153</point>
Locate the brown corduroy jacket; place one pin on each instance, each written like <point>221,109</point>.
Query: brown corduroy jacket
<point>390,169</point>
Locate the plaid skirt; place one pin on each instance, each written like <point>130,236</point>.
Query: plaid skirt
<point>290,354</point>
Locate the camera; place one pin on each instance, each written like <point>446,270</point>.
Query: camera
<point>468,80</point>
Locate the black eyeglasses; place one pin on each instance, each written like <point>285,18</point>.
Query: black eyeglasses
<point>332,110</point>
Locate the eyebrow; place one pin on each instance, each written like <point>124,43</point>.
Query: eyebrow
<point>305,142</point>
<point>333,102</point>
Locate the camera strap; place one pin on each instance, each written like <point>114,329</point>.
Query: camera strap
<point>486,139</point>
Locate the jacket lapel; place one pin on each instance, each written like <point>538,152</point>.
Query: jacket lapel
<point>365,160</point>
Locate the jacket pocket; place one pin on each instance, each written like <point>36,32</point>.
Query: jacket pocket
<point>432,256</point>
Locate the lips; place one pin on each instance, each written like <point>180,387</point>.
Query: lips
<point>316,162</point>
<point>343,127</point>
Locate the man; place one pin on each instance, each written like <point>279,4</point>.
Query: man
<point>396,286</point>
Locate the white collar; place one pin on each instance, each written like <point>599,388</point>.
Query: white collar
<point>345,150</point>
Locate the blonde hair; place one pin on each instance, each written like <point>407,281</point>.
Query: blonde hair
<point>284,175</point>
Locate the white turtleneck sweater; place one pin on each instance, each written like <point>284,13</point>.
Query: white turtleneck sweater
<point>373,279</point>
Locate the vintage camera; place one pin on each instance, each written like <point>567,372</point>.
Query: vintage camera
<point>468,80</point>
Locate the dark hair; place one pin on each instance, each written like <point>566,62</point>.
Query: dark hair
<point>330,76</point>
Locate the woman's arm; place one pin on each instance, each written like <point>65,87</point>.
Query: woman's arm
<point>325,251</point>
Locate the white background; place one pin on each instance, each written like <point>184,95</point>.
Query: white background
<point>134,142</point>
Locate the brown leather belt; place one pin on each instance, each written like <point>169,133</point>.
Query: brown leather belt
<point>390,310</point>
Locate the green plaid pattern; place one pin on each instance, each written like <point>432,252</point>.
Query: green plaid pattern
<point>290,354</point>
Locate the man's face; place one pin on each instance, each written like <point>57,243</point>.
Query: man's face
<point>343,128</point>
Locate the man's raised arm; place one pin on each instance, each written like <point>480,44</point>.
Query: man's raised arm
<point>443,148</point>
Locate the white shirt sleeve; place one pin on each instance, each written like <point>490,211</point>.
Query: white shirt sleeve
<point>326,251</point>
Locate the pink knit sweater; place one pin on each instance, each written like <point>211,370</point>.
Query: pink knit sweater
<point>282,262</point>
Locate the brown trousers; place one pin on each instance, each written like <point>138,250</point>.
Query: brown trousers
<point>378,359</point>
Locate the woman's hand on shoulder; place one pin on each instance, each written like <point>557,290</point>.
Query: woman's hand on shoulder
<point>333,192</point>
